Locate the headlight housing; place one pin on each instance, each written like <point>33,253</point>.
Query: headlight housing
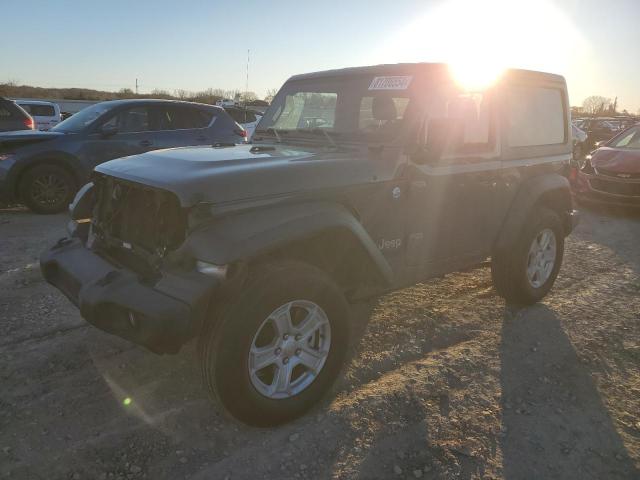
<point>6,156</point>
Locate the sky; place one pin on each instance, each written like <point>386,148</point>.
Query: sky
<point>195,45</point>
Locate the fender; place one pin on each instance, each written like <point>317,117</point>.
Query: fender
<point>552,186</point>
<point>247,235</point>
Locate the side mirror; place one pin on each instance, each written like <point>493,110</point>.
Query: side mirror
<point>108,130</point>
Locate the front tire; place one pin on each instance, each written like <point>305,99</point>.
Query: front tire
<point>47,189</point>
<point>276,348</point>
<point>525,272</point>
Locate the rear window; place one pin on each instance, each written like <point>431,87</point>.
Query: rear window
<point>39,110</point>
<point>9,110</point>
<point>535,116</point>
<point>182,118</point>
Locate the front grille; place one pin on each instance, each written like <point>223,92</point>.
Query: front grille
<point>136,217</point>
<point>615,188</point>
<point>609,173</point>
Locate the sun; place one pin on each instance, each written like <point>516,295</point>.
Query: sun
<point>480,39</point>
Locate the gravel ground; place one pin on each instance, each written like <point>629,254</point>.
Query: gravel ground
<point>445,381</point>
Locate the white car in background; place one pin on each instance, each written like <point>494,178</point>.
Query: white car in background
<point>46,115</point>
<point>248,119</point>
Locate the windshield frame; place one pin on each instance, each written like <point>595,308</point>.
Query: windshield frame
<point>351,90</point>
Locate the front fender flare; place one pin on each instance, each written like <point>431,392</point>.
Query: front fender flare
<point>248,235</point>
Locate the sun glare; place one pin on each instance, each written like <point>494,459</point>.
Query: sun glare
<point>480,39</point>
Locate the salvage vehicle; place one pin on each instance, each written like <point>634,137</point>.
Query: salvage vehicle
<point>358,182</point>
<point>44,170</point>
<point>611,174</point>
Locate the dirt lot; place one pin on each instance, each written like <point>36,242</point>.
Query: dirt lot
<point>444,382</point>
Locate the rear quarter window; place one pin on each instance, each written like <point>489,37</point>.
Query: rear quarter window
<point>535,116</point>
<point>39,110</point>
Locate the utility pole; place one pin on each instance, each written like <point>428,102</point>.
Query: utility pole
<point>246,87</point>
<point>136,86</point>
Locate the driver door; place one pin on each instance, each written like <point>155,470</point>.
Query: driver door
<point>451,212</point>
<point>130,134</point>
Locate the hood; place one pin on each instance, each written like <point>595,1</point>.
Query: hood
<point>616,160</point>
<point>228,174</point>
<point>24,137</point>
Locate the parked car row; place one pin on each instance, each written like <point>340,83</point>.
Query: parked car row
<point>611,173</point>
<point>602,129</point>
<point>44,169</point>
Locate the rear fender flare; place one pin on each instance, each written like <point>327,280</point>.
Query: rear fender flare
<point>550,187</point>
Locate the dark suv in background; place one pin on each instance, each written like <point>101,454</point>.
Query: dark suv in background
<point>13,117</point>
<point>44,169</point>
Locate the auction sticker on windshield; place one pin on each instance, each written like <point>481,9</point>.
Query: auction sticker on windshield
<point>390,83</point>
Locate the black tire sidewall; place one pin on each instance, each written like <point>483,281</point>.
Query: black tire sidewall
<point>542,218</point>
<point>38,171</point>
<point>228,359</point>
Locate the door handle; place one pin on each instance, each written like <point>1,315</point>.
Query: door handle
<point>201,138</point>
<point>146,143</point>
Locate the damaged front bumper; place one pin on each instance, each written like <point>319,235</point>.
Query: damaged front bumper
<point>161,315</point>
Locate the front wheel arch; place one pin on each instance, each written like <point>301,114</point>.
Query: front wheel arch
<point>55,161</point>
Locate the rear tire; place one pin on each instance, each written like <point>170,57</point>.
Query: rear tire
<point>47,189</point>
<point>229,348</point>
<point>522,273</point>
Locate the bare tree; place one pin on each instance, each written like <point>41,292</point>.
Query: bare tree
<point>270,94</point>
<point>596,104</point>
<point>181,94</point>
<point>125,93</point>
<point>248,97</point>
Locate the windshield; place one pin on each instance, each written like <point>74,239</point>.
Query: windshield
<point>82,119</point>
<point>347,108</point>
<point>628,139</point>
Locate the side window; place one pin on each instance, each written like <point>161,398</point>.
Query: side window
<point>381,111</point>
<point>202,118</point>
<point>535,116</point>
<point>4,113</point>
<point>132,120</point>
<point>463,123</point>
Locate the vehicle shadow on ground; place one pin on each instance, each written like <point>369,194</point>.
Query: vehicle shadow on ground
<point>599,215</point>
<point>555,424</point>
